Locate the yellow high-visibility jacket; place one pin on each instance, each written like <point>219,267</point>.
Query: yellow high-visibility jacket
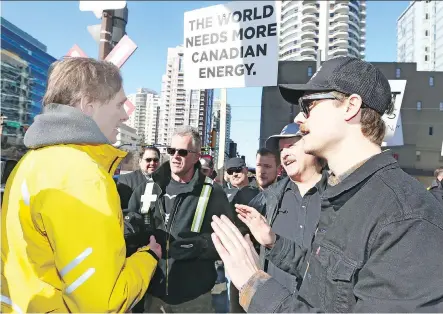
<point>62,243</point>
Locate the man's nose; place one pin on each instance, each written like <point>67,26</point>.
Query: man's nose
<point>300,118</point>
<point>283,154</point>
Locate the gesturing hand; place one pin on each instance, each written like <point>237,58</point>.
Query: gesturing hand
<point>238,253</point>
<point>257,224</point>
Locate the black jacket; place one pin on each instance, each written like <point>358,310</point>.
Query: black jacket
<point>241,196</point>
<point>126,185</point>
<point>186,279</point>
<point>436,189</point>
<point>289,255</point>
<point>379,248</point>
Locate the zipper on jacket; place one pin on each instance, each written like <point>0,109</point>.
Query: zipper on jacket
<point>112,165</point>
<point>167,244</point>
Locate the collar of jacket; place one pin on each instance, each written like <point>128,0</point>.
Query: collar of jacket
<point>278,189</point>
<point>364,172</point>
<point>162,176</point>
<point>436,184</point>
<point>107,156</point>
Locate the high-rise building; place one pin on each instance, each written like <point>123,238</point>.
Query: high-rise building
<point>180,106</point>
<point>216,124</point>
<point>420,35</point>
<point>329,28</point>
<point>24,68</point>
<point>145,116</point>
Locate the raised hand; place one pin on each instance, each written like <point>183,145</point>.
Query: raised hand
<point>257,224</point>
<point>238,254</point>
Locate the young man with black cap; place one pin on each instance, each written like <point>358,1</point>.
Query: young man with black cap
<point>379,241</point>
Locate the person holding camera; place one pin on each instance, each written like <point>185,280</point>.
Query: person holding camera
<point>149,161</point>
<point>177,206</point>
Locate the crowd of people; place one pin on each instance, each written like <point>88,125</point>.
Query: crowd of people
<point>345,229</point>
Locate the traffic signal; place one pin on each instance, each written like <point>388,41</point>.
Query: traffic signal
<point>213,139</point>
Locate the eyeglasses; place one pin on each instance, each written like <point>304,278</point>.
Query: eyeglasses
<point>231,171</point>
<point>148,160</point>
<point>308,102</point>
<point>180,151</point>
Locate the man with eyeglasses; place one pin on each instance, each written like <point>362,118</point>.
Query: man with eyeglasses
<point>238,174</point>
<point>239,192</point>
<point>379,241</point>
<point>177,206</point>
<point>149,160</point>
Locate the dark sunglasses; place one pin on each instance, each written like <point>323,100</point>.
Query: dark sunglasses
<point>308,102</point>
<point>152,159</point>
<point>236,170</point>
<point>181,152</point>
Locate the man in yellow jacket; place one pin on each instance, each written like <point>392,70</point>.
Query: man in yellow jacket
<point>62,244</point>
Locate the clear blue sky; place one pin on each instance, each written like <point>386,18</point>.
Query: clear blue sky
<point>155,26</point>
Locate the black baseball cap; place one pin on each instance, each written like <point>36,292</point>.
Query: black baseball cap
<point>349,76</point>
<point>235,163</point>
<point>290,130</point>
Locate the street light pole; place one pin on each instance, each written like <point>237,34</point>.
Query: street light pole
<point>105,34</point>
<point>222,136</point>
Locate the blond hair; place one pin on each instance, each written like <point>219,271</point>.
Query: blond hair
<point>73,80</point>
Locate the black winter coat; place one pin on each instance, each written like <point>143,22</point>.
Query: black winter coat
<point>176,282</point>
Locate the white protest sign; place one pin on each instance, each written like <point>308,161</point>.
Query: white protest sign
<point>231,45</point>
<point>394,130</point>
<point>441,149</point>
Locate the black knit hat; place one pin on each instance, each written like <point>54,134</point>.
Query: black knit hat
<point>348,76</point>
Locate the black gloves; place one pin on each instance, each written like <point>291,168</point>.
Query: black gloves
<point>133,224</point>
<point>188,245</point>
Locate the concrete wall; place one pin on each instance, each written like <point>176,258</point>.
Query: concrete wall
<point>276,112</point>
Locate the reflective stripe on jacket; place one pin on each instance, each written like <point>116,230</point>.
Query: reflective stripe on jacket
<point>62,239</point>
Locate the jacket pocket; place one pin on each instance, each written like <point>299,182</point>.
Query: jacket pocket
<point>329,281</point>
<point>340,283</point>
<point>313,287</point>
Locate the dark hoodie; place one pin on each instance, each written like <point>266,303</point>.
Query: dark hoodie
<point>187,279</point>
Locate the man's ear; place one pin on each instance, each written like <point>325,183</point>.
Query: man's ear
<point>352,106</point>
<point>86,106</point>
